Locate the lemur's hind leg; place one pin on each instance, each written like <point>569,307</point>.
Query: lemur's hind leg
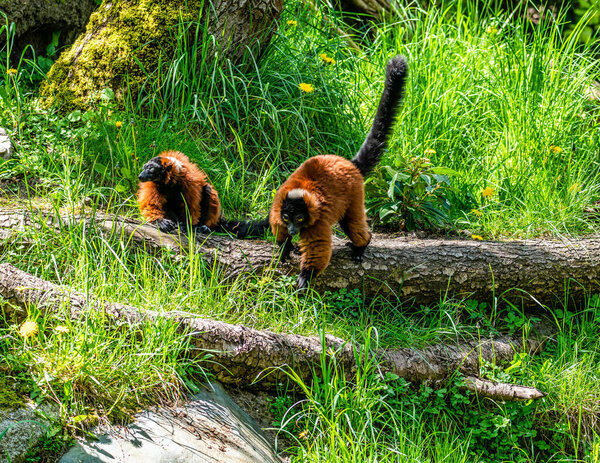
<point>354,224</point>
<point>315,246</point>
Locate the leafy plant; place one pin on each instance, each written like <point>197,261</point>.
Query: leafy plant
<point>414,196</point>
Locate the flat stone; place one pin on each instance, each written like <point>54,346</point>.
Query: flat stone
<point>24,427</point>
<point>6,148</point>
<point>208,428</point>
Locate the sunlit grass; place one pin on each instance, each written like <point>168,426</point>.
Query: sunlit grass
<point>500,102</point>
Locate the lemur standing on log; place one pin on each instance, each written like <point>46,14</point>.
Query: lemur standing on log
<point>173,191</point>
<point>329,189</point>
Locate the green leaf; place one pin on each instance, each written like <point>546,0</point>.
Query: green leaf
<point>86,116</point>
<point>384,213</point>
<point>75,116</point>
<point>79,419</point>
<point>391,188</point>
<point>107,94</point>
<point>100,168</point>
<point>391,172</point>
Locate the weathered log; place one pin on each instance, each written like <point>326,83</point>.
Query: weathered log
<point>424,271</point>
<point>246,356</point>
<point>501,391</point>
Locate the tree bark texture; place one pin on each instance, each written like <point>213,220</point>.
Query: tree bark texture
<point>423,271</point>
<point>502,391</point>
<point>37,21</point>
<point>245,356</point>
<point>123,29</point>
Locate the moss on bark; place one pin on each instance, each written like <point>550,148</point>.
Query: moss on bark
<point>123,29</point>
<point>103,56</point>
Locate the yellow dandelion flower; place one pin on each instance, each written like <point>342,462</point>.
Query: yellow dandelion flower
<point>575,188</point>
<point>492,30</point>
<point>477,237</point>
<point>476,212</point>
<point>306,88</point>
<point>487,192</point>
<point>118,124</point>
<point>326,59</point>
<point>303,434</point>
<point>11,71</point>
<point>555,149</point>
<point>28,329</point>
<point>61,329</point>
<point>291,22</point>
<point>430,151</point>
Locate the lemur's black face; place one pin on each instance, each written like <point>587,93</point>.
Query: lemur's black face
<point>153,171</point>
<point>294,213</point>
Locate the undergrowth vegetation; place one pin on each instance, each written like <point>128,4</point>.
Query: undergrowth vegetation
<point>496,136</point>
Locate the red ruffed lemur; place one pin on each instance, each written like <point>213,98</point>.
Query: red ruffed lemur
<point>329,189</point>
<point>174,192</point>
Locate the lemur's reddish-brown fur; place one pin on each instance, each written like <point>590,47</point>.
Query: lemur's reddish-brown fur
<point>334,192</point>
<point>329,189</point>
<point>185,182</point>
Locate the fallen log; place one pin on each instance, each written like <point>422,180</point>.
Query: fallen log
<point>501,391</point>
<point>424,271</point>
<point>245,356</point>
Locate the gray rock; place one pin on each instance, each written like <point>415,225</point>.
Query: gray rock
<point>24,427</point>
<point>209,428</point>
<point>6,148</point>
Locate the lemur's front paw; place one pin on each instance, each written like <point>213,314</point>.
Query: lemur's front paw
<point>165,225</point>
<point>203,229</point>
<point>357,258</point>
<point>285,249</point>
<point>357,252</point>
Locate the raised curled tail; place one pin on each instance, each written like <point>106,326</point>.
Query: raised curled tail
<point>245,228</point>
<point>370,152</point>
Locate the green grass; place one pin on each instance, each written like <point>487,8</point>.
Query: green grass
<point>498,101</point>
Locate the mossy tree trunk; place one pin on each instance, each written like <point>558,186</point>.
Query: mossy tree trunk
<point>122,32</point>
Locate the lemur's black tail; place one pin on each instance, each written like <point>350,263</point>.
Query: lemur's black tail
<point>370,152</point>
<point>245,228</point>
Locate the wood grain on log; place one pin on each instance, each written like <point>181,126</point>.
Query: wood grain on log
<point>424,271</point>
<point>246,356</point>
<point>501,391</point>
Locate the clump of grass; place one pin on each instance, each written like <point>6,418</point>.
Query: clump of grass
<point>347,417</point>
<point>94,371</point>
<point>499,102</point>
<point>504,104</point>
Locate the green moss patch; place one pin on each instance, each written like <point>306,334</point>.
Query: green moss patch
<point>119,43</point>
<point>12,394</point>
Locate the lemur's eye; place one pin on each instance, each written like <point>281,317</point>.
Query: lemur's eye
<point>285,217</point>
<point>300,219</point>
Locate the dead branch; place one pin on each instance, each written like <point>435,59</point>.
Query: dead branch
<point>246,356</point>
